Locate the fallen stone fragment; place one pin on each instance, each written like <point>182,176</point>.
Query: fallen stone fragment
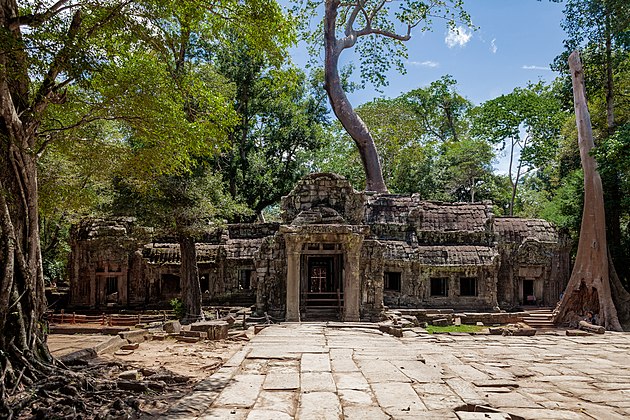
<point>598,329</point>
<point>131,346</point>
<point>172,327</point>
<point>577,333</point>
<point>130,375</point>
<point>440,322</point>
<point>184,339</point>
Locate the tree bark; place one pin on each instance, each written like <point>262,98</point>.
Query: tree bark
<point>24,356</point>
<point>589,286</point>
<point>345,113</point>
<point>189,278</point>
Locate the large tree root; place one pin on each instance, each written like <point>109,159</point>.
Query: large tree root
<point>86,391</point>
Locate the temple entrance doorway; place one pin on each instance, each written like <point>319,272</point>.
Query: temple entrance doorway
<point>529,297</point>
<point>322,283</point>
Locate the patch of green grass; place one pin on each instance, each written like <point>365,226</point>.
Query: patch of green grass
<point>432,329</point>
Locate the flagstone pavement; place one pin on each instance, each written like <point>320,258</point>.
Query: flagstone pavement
<point>315,371</point>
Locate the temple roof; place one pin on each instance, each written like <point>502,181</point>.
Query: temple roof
<point>516,229</point>
<point>460,255</point>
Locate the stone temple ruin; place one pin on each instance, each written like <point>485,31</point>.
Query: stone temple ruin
<point>336,253</point>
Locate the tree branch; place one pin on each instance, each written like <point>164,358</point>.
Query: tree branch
<point>35,19</point>
<point>369,31</point>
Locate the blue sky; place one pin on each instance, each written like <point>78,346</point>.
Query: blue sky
<point>515,42</point>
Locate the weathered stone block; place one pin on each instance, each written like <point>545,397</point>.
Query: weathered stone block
<point>135,336</point>
<point>172,327</point>
<point>440,322</point>
<point>216,330</point>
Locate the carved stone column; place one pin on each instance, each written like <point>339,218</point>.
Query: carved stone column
<point>294,250</point>
<point>352,279</point>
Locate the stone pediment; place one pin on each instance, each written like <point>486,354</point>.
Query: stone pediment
<point>320,215</point>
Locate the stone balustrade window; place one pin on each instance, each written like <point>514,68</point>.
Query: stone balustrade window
<point>468,286</point>
<point>392,281</point>
<point>439,286</point>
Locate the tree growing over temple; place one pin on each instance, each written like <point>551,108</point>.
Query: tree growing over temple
<point>377,30</point>
<point>97,61</point>
<point>589,288</point>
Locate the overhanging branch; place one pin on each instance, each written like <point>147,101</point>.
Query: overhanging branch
<point>36,19</point>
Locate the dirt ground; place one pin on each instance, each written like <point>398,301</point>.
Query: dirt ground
<point>195,360</point>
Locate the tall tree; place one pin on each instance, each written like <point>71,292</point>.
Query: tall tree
<point>280,121</point>
<point>184,206</point>
<point>370,25</point>
<point>601,29</point>
<point>57,53</point>
<point>526,122</point>
<point>589,287</point>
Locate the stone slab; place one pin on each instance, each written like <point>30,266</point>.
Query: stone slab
<point>319,406</point>
<point>398,398</point>
<point>241,392</point>
<point>315,362</point>
<point>277,401</point>
<point>281,381</point>
<point>317,381</point>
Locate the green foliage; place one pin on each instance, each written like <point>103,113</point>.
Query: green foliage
<point>564,208</point>
<point>432,329</point>
<point>374,22</point>
<point>178,308</point>
<point>187,204</point>
<point>424,144</point>
<point>468,165</point>
<point>280,120</point>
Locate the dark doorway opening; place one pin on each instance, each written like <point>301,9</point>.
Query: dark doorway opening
<point>322,286</point>
<point>528,292</point>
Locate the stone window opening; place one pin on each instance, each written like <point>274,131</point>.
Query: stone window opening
<point>170,284</point>
<point>468,286</point>
<point>392,281</point>
<point>439,286</point>
<point>244,279</point>
<point>111,285</point>
<point>204,282</point>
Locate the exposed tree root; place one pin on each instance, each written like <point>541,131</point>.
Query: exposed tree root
<point>85,391</point>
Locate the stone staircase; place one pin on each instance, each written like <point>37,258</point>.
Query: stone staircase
<point>540,318</point>
<point>323,306</point>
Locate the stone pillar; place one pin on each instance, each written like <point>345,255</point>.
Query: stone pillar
<point>293,278</point>
<point>352,279</point>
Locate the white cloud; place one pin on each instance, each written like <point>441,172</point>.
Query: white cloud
<point>526,67</point>
<point>493,46</point>
<point>457,36</point>
<point>427,63</point>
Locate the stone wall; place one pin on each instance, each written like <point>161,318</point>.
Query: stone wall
<point>394,250</point>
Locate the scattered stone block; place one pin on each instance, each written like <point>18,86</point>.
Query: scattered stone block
<point>598,329</point>
<point>479,324</point>
<point>132,375</point>
<point>184,339</point>
<point>135,336</point>
<point>577,333</point>
<point>458,321</point>
<point>259,328</point>
<point>496,330</point>
<point>441,322</point>
<point>199,334</point>
<point>172,327</point>
<point>216,330</point>
<point>390,329</point>
<point>130,346</point>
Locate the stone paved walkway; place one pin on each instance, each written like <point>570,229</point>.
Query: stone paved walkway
<point>310,371</point>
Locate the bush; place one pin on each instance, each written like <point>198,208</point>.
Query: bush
<point>178,307</point>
